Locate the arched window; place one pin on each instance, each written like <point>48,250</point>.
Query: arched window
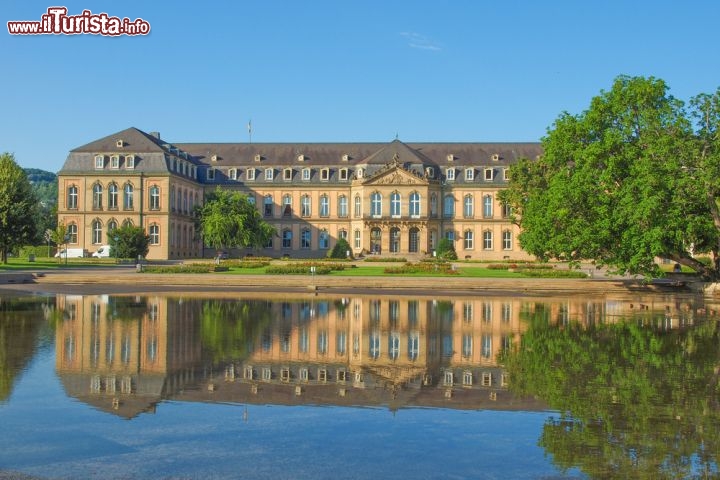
<point>468,206</point>
<point>154,197</point>
<point>305,238</point>
<point>394,240</point>
<point>127,223</point>
<point>72,233</point>
<point>324,206</point>
<point>305,206</point>
<point>96,230</point>
<point>358,207</point>
<point>97,196</point>
<point>342,233</point>
<point>507,240</point>
<point>287,238</point>
<point>469,240</point>
<point>376,204</point>
<point>448,206</point>
<point>268,206</point>
<point>287,205</point>
<point>395,204</point>
<point>394,345</point>
<point>487,206</point>
<point>375,240</point>
<point>112,196</point>
<point>433,205</point>
<point>323,239</point>
<point>111,225</point>
<point>414,205</point>
<point>128,201</point>
<point>154,234</point>
<point>72,197</point>
<point>487,240</point>
<point>342,206</point>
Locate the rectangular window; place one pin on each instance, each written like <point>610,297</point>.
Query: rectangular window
<point>306,174</point>
<point>450,174</point>
<point>232,174</point>
<point>488,174</point>
<point>343,174</point>
<point>287,174</point>
<point>357,239</point>
<point>268,174</point>
<point>211,174</point>
<point>115,161</point>
<point>130,161</point>
<point>250,174</point>
<point>99,161</point>
<point>469,174</point>
<point>506,174</point>
<point>325,174</point>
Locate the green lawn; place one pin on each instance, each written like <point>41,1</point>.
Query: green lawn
<point>44,263</point>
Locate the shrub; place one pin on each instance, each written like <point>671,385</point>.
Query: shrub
<point>385,259</point>
<point>410,268</point>
<point>190,268</point>
<point>39,251</point>
<point>298,269</point>
<point>446,250</point>
<point>553,273</point>
<point>340,249</point>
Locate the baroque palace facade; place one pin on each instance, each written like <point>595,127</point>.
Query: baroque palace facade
<point>383,198</point>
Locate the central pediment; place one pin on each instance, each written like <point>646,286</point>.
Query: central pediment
<point>395,175</point>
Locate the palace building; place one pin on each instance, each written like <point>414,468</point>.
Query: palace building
<point>383,198</point>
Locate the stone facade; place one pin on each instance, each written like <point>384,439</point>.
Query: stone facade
<point>384,198</point>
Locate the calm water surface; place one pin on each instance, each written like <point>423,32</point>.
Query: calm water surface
<point>200,386</point>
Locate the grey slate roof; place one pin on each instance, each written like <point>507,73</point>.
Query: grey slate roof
<point>152,154</point>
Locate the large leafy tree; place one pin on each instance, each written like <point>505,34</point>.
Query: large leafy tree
<point>229,219</point>
<point>129,242</point>
<point>18,206</point>
<point>634,177</point>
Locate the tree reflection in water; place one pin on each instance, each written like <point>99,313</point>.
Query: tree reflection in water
<point>634,401</point>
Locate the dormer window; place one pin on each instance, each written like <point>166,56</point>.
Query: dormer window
<point>306,174</point>
<point>120,143</point>
<point>258,157</point>
<point>250,174</point>
<point>450,157</point>
<point>495,157</point>
<point>214,158</point>
<point>287,174</point>
<point>488,174</point>
<point>301,158</point>
<point>268,174</point>
<point>506,174</point>
<point>360,173</point>
<point>130,161</point>
<point>430,172</point>
<point>469,174</point>
<point>450,174</point>
<point>115,161</point>
<point>232,174</point>
<point>325,174</point>
<point>343,174</point>
<point>211,174</point>
<point>99,161</point>
<point>345,157</point>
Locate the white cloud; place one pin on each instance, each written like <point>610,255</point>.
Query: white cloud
<point>421,42</point>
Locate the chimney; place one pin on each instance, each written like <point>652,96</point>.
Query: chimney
<point>155,134</point>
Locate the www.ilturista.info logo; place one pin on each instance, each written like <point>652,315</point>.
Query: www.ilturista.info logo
<point>57,22</point>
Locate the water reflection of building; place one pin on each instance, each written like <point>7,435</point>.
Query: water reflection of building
<point>124,354</point>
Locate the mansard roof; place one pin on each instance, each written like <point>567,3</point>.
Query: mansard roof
<point>153,156</point>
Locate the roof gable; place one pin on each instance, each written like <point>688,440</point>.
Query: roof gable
<point>133,140</point>
<point>394,174</point>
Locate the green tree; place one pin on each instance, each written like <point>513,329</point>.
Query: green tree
<point>18,207</point>
<point>633,401</point>
<point>228,219</point>
<point>45,187</point>
<point>446,250</point>
<point>129,242</point>
<point>633,178</point>
<point>340,249</point>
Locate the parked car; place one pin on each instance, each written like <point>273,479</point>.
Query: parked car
<point>102,252</point>
<point>71,253</point>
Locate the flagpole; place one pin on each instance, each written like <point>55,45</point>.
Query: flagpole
<point>249,126</point>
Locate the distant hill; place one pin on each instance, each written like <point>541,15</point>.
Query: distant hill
<point>44,185</point>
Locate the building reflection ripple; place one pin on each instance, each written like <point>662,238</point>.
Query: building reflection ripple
<point>123,355</point>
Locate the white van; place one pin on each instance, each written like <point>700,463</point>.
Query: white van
<point>71,253</point>
<point>102,252</point>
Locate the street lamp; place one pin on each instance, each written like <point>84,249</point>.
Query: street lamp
<point>66,238</point>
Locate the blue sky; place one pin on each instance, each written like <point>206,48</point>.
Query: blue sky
<point>339,71</point>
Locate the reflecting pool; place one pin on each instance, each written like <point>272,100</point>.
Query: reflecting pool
<point>305,386</point>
